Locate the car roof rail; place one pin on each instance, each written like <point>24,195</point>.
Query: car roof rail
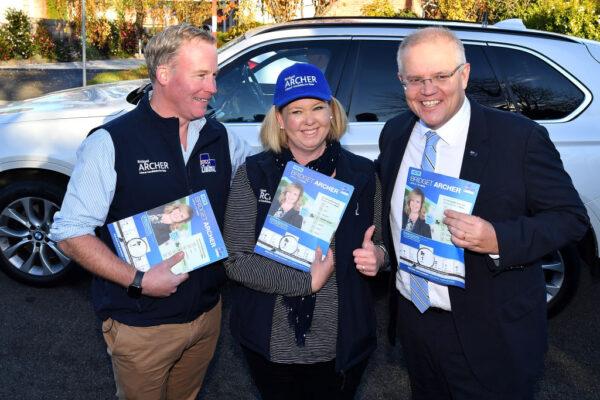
<point>509,26</point>
<point>511,23</point>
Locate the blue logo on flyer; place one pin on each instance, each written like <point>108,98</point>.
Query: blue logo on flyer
<point>207,164</point>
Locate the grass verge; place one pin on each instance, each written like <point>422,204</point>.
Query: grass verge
<point>116,76</point>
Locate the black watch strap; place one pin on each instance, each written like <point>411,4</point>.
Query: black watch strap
<point>135,288</point>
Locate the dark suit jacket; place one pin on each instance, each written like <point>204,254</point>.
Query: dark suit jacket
<point>530,200</point>
<point>420,227</point>
<point>293,218</point>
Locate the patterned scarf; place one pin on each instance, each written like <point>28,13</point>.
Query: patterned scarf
<point>300,308</point>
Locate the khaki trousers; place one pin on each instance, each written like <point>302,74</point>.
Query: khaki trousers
<point>163,362</point>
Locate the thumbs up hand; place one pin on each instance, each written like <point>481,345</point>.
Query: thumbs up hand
<point>368,258</point>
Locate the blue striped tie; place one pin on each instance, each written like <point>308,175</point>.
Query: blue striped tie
<point>419,291</point>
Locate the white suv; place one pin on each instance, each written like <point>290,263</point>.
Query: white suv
<point>548,77</point>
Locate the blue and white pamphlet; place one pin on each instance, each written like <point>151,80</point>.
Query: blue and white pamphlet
<point>187,225</point>
<point>291,236</point>
<point>425,246</point>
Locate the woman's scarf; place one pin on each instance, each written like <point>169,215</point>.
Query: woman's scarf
<point>300,308</point>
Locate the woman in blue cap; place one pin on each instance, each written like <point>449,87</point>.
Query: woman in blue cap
<point>304,335</point>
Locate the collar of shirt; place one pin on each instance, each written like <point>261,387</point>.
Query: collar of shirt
<point>193,133</point>
<point>454,132</point>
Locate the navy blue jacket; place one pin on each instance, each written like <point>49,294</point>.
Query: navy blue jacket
<point>252,311</point>
<point>527,196</point>
<point>151,172</point>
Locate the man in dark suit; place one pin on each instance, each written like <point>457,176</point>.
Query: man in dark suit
<point>486,341</point>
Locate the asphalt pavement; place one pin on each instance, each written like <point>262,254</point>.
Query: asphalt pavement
<point>24,80</point>
<point>51,347</point>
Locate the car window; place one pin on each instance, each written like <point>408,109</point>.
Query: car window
<point>378,94</point>
<point>483,85</point>
<point>540,91</point>
<point>246,86</point>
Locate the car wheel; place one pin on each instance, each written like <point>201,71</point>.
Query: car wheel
<point>26,252</point>
<point>561,272</point>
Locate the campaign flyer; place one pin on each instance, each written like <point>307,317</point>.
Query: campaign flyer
<point>187,225</point>
<point>425,246</point>
<point>305,213</point>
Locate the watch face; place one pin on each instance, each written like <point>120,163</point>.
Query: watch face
<point>289,244</point>
<point>425,257</point>
<point>137,247</point>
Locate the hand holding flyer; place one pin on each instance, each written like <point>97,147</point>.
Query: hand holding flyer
<point>305,214</point>
<point>187,225</point>
<point>426,247</point>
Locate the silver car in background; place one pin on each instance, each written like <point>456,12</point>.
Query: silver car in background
<point>550,78</point>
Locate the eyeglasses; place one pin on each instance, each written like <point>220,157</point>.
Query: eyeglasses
<point>438,79</point>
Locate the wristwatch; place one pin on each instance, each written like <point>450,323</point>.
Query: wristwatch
<point>135,289</point>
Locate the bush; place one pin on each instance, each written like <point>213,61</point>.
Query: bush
<point>19,29</point>
<point>233,32</point>
<point>577,17</point>
<point>98,33</point>
<point>68,49</point>
<point>384,8</point>
<point>44,45</point>
<point>6,51</point>
<point>128,37</point>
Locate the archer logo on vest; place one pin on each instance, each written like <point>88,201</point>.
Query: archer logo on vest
<point>151,167</point>
<point>207,164</point>
<point>264,196</point>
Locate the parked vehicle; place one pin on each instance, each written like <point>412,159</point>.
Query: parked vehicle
<point>550,78</point>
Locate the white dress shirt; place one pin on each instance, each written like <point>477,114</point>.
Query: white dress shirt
<point>450,149</point>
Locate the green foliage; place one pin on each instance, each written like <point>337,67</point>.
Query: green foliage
<point>116,76</point>
<point>128,37</point>
<point>68,49</point>
<point>19,33</point>
<point>6,52</point>
<point>378,8</point>
<point>576,17</point>
<point>235,31</point>
<point>98,32</point>
<point>572,17</point>
<point>57,9</point>
<point>44,45</point>
<point>384,8</point>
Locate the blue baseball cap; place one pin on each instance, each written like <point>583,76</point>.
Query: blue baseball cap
<point>300,81</point>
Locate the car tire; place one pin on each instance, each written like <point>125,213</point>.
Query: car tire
<point>27,254</point>
<point>561,273</point>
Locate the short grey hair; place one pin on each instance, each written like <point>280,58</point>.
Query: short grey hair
<point>163,47</point>
<point>431,33</point>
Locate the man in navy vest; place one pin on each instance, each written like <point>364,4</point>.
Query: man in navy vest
<point>160,328</point>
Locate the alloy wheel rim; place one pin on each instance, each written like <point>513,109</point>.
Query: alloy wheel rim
<point>24,237</point>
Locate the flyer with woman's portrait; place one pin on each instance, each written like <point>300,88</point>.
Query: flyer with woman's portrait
<point>305,213</point>
<point>187,224</point>
<point>425,245</point>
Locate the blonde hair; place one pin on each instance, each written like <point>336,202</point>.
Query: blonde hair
<point>415,192</point>
<point>163,47</point>
<point>428,34</point>
<point>273,138</point>
<point>298,203</point>
<point>169,208</point>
